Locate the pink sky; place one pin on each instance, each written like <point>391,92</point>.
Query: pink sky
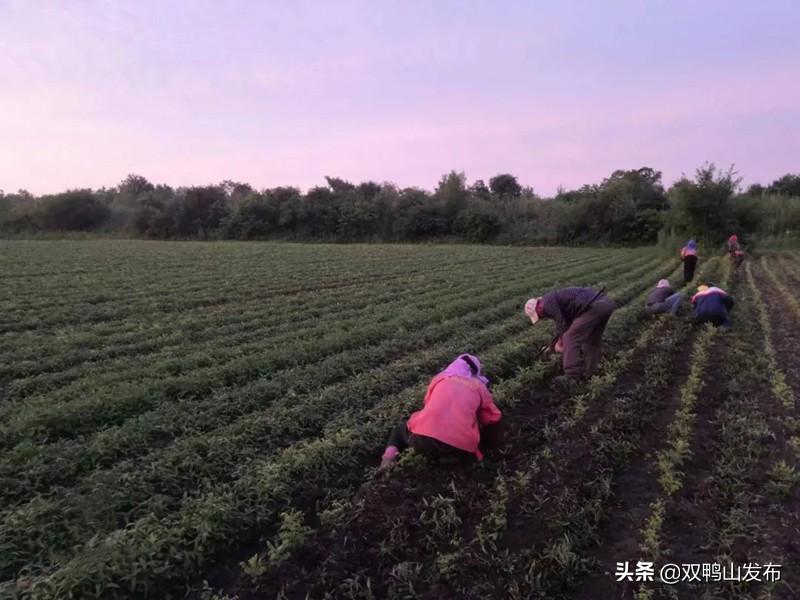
<point>277,93</point>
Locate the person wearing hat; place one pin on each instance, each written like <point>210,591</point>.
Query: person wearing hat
<point>457,412</point>
<point>580,315</point>
<point>663,299</point>
<point>712,305</point>
<point>689,258</point>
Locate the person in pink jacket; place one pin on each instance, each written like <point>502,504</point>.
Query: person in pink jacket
<point>457,406</point>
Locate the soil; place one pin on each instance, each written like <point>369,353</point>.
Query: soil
<point>391,507</point>
<point>383,537</point>
<point>634,491</point>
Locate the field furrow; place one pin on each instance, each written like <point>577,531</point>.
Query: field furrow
<point>185,419</point>
<point>197,460</point>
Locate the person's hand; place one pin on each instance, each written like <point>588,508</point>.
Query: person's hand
<point>559,347</point>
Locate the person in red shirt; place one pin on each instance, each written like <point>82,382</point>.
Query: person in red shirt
<point>735,251</point>
<point>456,408</point>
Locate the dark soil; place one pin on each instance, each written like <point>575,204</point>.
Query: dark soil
<point>385,548</point>
<point>634,491</point>
<point>384,530</point>
<point>779,520</point>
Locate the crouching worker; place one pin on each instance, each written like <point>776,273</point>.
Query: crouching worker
<point>581,316</point>
<point>663,299</point>
<point>457,412</point>
<point>712,305</point>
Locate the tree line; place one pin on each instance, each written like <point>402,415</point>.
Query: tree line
<point>628,207</point>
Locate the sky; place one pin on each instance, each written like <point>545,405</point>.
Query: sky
<point>558,93</point>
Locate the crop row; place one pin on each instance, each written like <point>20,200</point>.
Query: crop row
<point>190,463</point>
<point>747,449</point>
<point>287,263</point>
<point>613,435</point>
<point>170,297</point>
<point>281,317</point>
<point>61,414</point>
<point>274,310</point>
<point>524,483</point>
<point>790,267</point>
<point>780,388</point>
<point>170,294</point>
<point>348,444</point>
<point>789,297</point>
<point>60,460</point>
<point>576,512</point>
<point>173,354</point>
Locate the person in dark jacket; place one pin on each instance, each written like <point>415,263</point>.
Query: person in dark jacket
<point>689,258</point>
<point>663,299</point>
<point>580,315</point>
<point>712,305</point>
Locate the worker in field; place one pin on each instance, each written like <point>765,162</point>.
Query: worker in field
<point>663,299</point>
<point>458,413</point>
<point>580,315</point>
<point>712,305</point>
<point>735,251</point>
<point>689,258</point>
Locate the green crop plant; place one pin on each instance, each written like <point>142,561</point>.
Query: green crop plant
<point>494,520</point>
<point>783,478</point>
<point>291,535</point>
<point>162,412</point>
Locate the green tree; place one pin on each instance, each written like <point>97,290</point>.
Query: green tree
<point>75,210</point>
<point>452,193</point>
<point>701,208</point>
<point>200,211</point>
<point>480,191</point>
<point>788,185</point>
<point>134,186</point>
<point>641,186</point>
<point>505,186</point>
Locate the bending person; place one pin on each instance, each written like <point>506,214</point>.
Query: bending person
<point>581,316</point>
<point>735,251</point>
<point>712,305</point>
<point>457,410</point>
<point>663,299</point>
<point>689,258</point>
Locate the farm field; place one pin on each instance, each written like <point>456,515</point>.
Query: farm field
<point>204,420</point>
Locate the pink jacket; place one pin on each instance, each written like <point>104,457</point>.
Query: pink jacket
<point>453,408</point>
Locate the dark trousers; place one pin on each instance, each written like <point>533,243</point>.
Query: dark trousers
<point>689,264</point>
<point>401,438</point>
<point>583,340</point>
